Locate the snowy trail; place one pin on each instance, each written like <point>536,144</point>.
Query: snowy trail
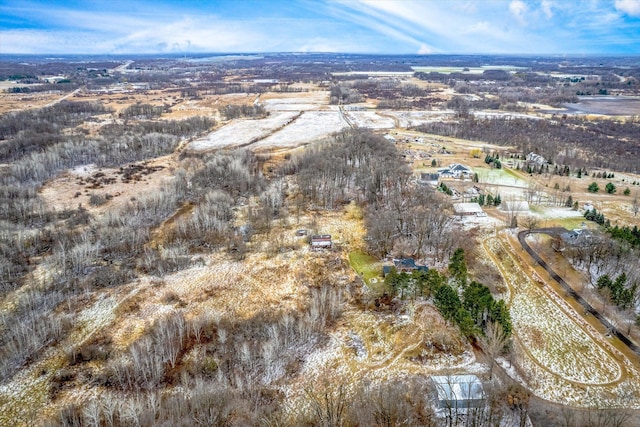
<point>588,308</point>
<point>562,367</point>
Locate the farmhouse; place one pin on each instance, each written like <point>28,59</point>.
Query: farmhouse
<point>468,209</point>
<point>455,170</point>
<point>535,159</point>
<point>321,241</point>
<point>406,265</point>
<point>457,393</point>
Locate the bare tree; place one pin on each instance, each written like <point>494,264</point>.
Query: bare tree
<point>328,404</point>
<point>493,343</point>
<point>531,222</point>
<point>511,207</point>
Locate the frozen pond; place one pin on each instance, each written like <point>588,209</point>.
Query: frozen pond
<point>608,105</point>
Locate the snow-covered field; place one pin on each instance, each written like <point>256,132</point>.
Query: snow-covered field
<point>310,126</point>
<point>370,119</point>
<point>413,118</point>
<point>242,132</point>
<point>304,102</point>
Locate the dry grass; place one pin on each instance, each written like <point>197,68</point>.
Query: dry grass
<point>72,188</point>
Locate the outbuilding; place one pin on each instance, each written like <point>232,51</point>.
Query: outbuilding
<point>321,241</point>
<point>468,209</point>
<point>458,393</point>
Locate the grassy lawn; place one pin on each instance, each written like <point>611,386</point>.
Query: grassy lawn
<point>568,223</point>
<point>500,177</point>
<point>368,267</point>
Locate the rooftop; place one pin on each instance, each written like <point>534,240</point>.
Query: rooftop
<point>462,391</point>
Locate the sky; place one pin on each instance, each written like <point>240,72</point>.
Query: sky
<point>572,27</point>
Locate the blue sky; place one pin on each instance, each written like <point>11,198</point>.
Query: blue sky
<point>353,26</point>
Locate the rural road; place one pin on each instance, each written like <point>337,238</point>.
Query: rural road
<point>588,308</point>
<point>123,67</point>
<point>69,95</point>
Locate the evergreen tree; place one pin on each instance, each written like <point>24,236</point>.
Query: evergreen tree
<point>447,301</point>
<point>458,267</point>
<point>569,202</point>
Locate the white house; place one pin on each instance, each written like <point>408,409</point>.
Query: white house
<point>536,159</point>
<point>455,170</point>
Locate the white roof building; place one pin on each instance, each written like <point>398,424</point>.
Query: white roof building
<point>458,392</point>
<point>468,209</point>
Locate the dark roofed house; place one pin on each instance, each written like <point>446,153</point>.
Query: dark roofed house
<point>403,265</point>
<point>321,241</point>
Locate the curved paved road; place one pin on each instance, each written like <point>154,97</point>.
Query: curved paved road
<point>588,308</point>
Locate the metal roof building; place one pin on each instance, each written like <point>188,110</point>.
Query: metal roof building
<point>459,392</point>
<point>468,209</point>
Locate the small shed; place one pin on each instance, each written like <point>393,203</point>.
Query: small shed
<point>459,392</point>
<point>321,241</point>
<point>468,209</point>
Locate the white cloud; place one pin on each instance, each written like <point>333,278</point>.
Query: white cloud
<point>630,7</point>
<point>425,50</point>
<point>518,9</point>
<point>546,8</point>
<point>432,23</point>
<point>467,7</point>
<point>480,27</point>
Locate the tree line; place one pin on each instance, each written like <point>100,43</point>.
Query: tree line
<point>554,139</point>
